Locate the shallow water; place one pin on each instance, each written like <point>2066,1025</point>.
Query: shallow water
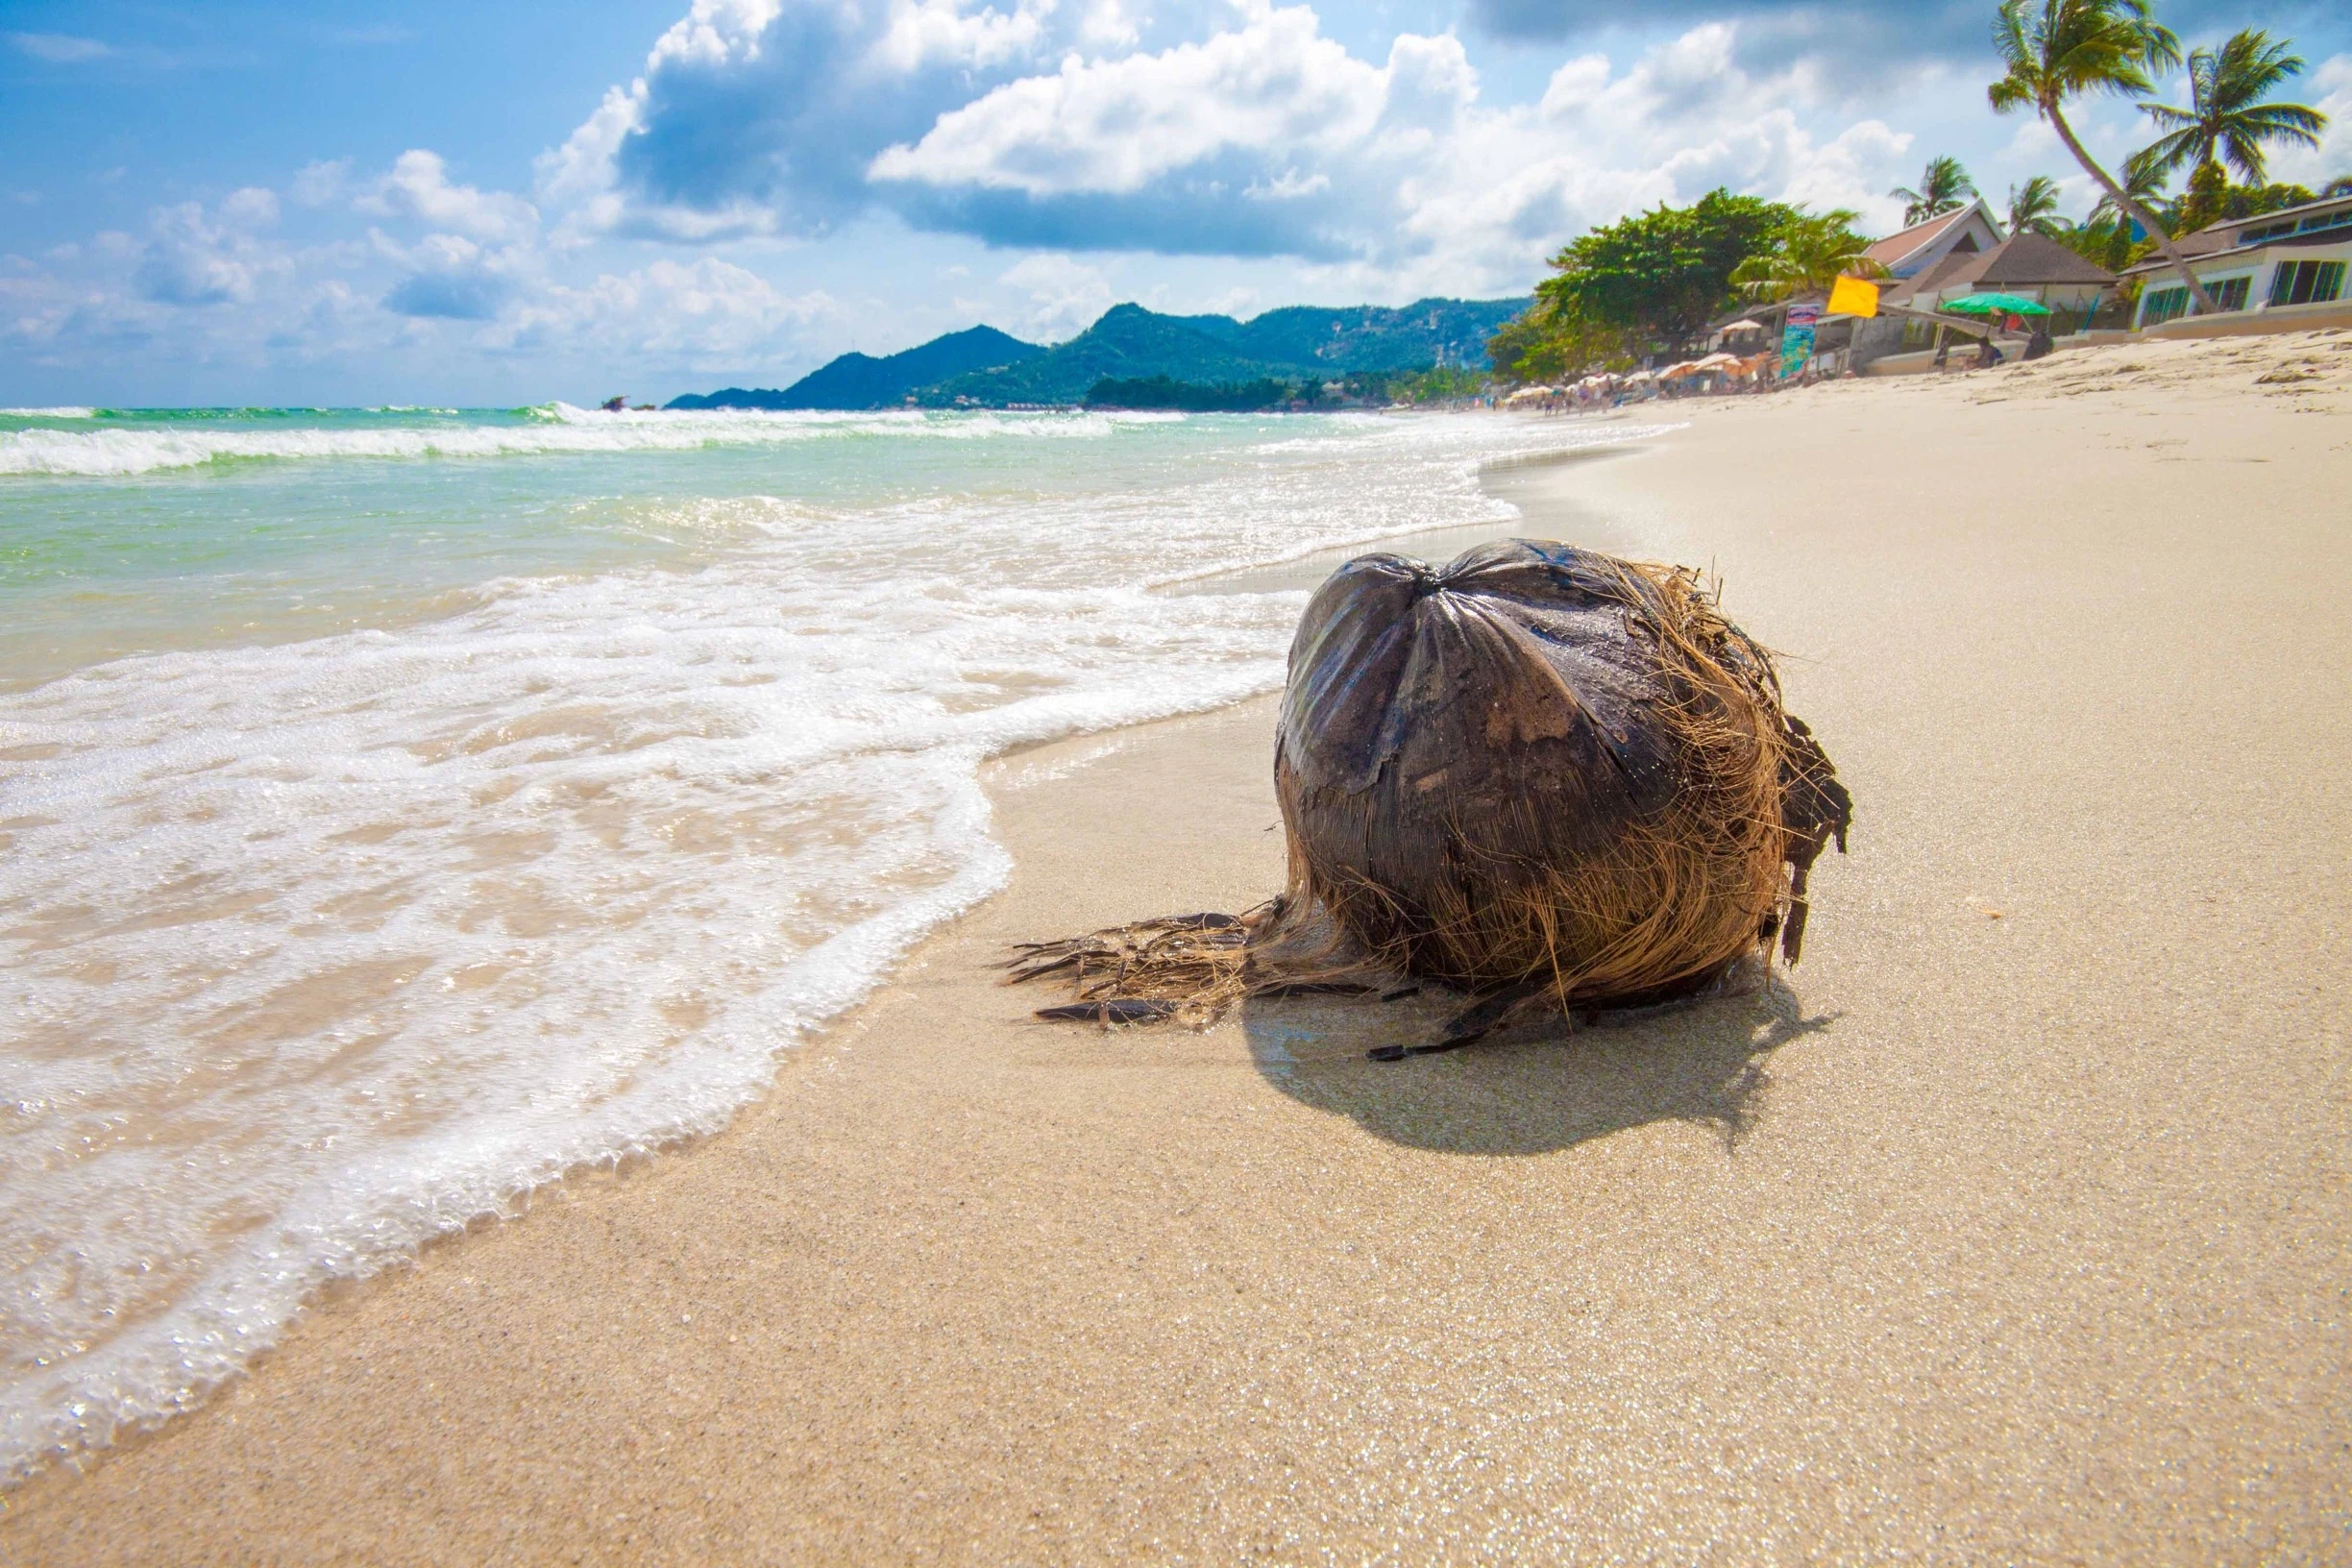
<point>399,808</point>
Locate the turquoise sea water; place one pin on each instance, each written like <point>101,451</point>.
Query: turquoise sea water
<point>401,807</point>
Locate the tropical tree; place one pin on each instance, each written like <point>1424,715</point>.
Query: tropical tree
<point>2034,205</point>
<point>2057,50</point>
<point>1813,253</point>
<point>2341,185</point>
<point>2226,119</point>
<point>2144,183</point>
<point>1940,188</point>
<point>2211,198</point>
<point>1660,276</point>
<point>2107,236</point>
<point>1542,345</point>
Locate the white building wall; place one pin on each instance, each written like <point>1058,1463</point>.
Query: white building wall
<point>2260,269</point>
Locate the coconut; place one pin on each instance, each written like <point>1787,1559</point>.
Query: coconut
<point>1536,766</point>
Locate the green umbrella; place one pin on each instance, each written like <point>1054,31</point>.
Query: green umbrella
<point>1994,304</point>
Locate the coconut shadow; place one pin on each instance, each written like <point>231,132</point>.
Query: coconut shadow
<point>1535,1090</point>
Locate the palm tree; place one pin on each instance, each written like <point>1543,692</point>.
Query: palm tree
<point>2226,118</point>
<point>1812,253</point>
<point>2341,185</point>
<point>1941,186</point>
<point>2034,205</point>
<point>2061,49</point>
<point>2105,237</point>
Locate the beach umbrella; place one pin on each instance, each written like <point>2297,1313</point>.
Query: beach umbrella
<point>1996,305</point>
<point>1744,325</point>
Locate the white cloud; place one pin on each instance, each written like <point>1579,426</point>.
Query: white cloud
<point>715,33</point>
<point>317,183</point>
<point>925,32</point>
<point>2330,91</point>
<point>703,313</point>
<point>1115,125</point>
<point>418,186</point>
<point>252,208</point>
<point>1400,168</point>
<point>59,48</point>
<point>198,259</point>
<point>1041,126</point>
<point>1066,295</point>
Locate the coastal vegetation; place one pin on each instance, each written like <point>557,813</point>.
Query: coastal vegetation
<point>1646,285</point>
<point>2227,119</point>
<point>2057,51</point>
<point>1811,252</point>
<point>1358,389</point>
<point>1941,189</point>
<point>1651,283</point>
<point>2033,207</point>
<point>1198,396</point>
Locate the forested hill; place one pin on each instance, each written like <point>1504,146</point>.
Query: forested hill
<point>986,367</point>
<point>861,380</point>
<point>1132,343</point>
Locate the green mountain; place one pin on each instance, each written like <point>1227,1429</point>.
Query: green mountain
<point>1128,343</point>
<point>860,381</point>
<point>1131,343</point>
<point>1371,337</point>
<point>1298,343</point>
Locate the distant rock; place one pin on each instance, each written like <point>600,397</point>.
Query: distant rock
<point>860,381</point>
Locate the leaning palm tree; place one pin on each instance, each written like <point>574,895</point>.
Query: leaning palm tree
<point>2061,49</point>
<point>2034,205</point>
<point>1813,253</point>
<point>1940,188</point>
<point>2226,119</point>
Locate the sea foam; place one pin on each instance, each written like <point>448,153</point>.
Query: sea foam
<point>319,950</point>
<point>556,428</point>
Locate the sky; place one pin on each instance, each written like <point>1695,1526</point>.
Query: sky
<point>479,205</point>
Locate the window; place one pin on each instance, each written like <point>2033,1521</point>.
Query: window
<point>2269,231</point>
<point>2327,220</point>
<point>2162,305</point>
<point>2306,282</point>
<point>2230,293</point>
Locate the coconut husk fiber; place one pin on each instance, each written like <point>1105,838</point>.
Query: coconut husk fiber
<point>1538,769</point>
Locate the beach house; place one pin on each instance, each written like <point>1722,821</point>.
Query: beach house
<point>2281,270</point>
<point>2027,265</point>
<point>1962,232</point>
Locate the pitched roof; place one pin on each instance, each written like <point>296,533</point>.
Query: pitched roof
<point>1919,236</point>
<point>2020,262</point>
<point>1960,267</point>
<point>2035,259</point>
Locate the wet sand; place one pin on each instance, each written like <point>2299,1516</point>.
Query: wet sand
<point>2015,1226</point>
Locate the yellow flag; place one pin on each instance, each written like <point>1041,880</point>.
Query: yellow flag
<point>1851,297</point>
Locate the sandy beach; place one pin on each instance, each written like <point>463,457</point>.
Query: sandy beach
<point>2014,1226</point>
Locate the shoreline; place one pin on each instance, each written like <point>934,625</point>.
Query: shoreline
<point>2002,1237</point>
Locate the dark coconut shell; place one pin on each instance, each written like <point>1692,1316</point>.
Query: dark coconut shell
<point>1541,763</point>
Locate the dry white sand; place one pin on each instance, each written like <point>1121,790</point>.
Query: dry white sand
<point>2017,1231</point>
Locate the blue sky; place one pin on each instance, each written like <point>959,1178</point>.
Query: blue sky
<point>502,204</point>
